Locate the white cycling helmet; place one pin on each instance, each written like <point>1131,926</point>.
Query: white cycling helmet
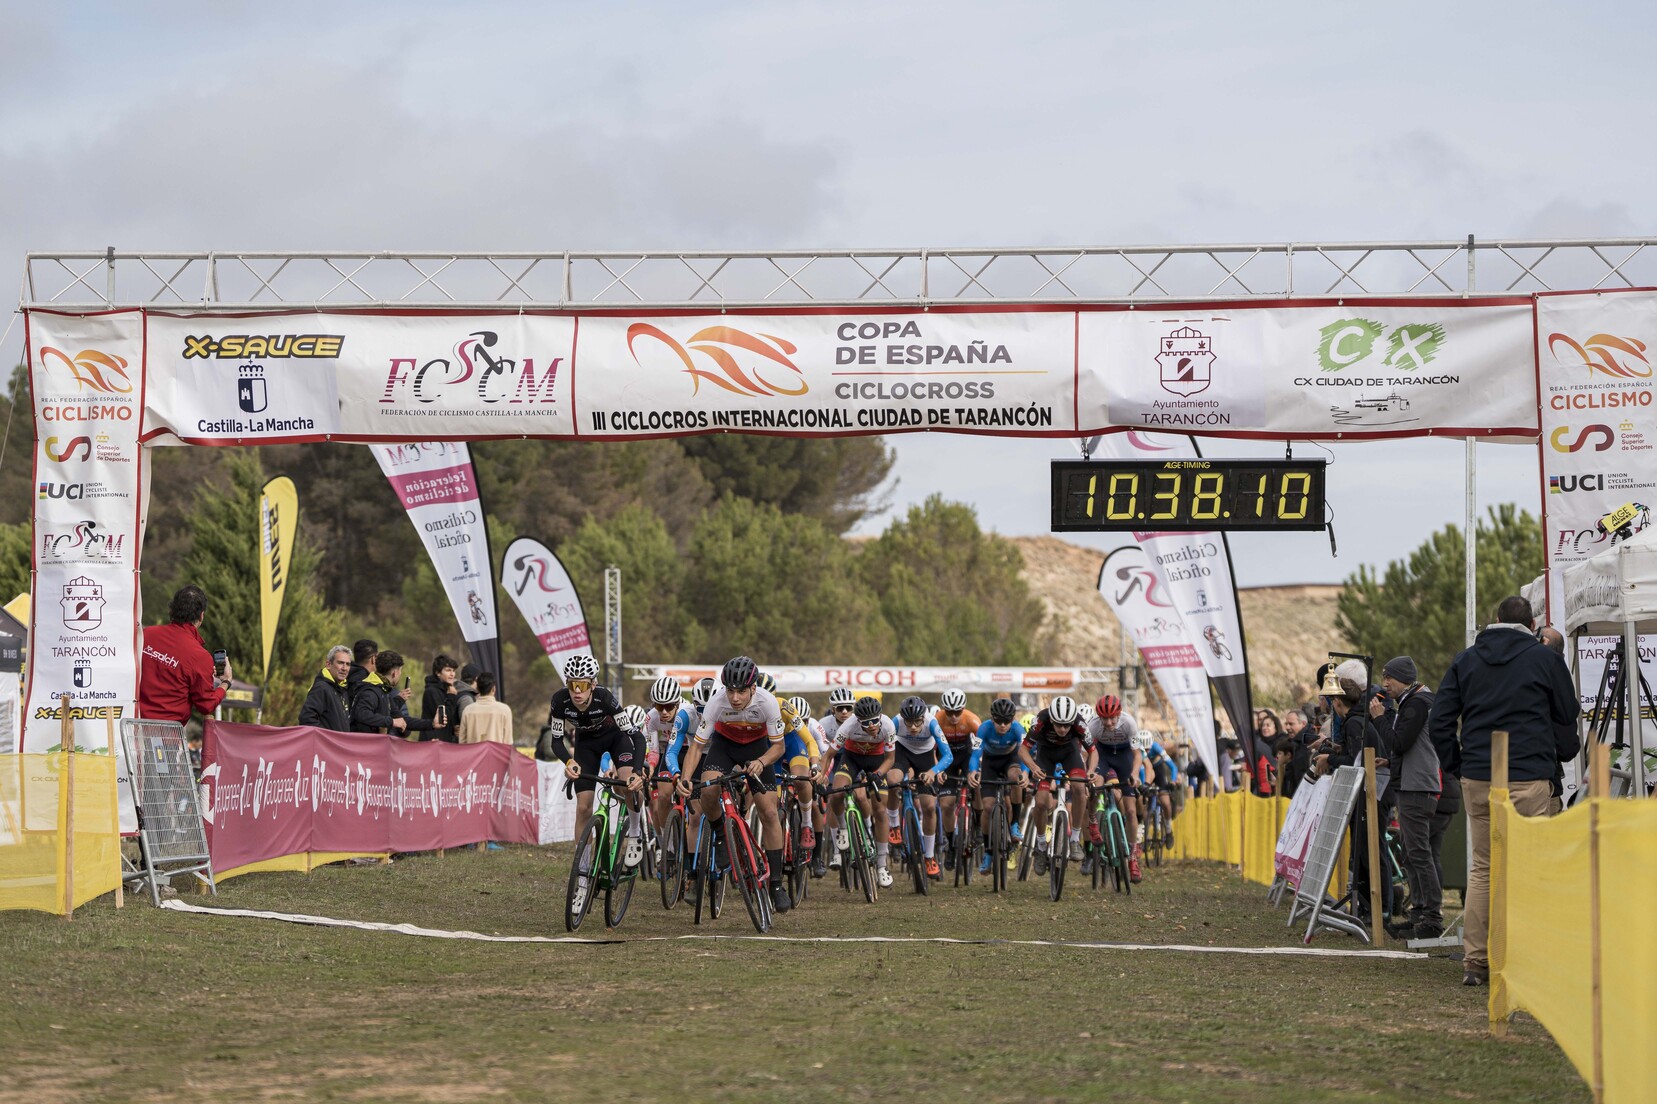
<point>666,691</point>
<point>840,696</point>
<point>801,708</point>
<point>580,666</point>
<point>703,691</point>
<point>953,701</point>
<point>1084,713</point>
<point>1062,710</point>
<point>636,716</point>
<point>1142,740</point>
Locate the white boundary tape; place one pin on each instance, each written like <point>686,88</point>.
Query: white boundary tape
<point>479,937</point>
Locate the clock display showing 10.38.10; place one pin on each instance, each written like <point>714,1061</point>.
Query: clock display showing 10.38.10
<point>1101,495</point>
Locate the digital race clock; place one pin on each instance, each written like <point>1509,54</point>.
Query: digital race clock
<point>1103,495</point>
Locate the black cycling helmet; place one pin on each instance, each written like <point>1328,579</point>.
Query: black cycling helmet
<point>913,708</point>
<point>867,709</point>
<point>1003,710</point>
<point>739,673</point>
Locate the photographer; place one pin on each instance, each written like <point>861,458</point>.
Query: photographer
<point>1355,733</point>
<point>439,704</point>
<point>175,672</point>
<point>1404,728</point>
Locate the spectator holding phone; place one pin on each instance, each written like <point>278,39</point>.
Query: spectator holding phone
<point>175,672</point>
<point>378,705</point>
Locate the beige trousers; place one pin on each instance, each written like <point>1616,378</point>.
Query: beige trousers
<point>1531,799</point>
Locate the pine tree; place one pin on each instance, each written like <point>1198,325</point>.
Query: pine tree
<point>224,561</point>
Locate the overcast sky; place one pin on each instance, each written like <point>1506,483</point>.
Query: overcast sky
<point>458,126</point>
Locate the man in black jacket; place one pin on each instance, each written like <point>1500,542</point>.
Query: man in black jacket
<point>1508,681</point>
<point>1404,728</point>
<point>362,662</point>
<point>439,701</point>
<point>377,705</point>
<point>328,705</point>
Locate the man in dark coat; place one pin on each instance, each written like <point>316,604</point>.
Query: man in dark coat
<point>1417,783</point>
<point>1508,681</point>
<point>328,705</point>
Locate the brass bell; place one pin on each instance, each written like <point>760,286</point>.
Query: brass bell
<point>1331,685</point>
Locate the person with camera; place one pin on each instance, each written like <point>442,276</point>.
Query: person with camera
<point>378,706</point>
<point>1508,681</point>
<point>1355,731</point>
<point>439,704</point>
<point>175,672</point>
<point>1404,728</point>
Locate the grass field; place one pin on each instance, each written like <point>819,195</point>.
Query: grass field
<point>149,1005</point>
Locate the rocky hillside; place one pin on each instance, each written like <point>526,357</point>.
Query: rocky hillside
<point>1289,628</point>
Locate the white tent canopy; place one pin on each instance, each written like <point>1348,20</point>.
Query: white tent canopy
<point>1614,588</point>
<point>1615,592</point>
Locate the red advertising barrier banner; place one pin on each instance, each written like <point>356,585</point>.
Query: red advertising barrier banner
<point>270,792</point>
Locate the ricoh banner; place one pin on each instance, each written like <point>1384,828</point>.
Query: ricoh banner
<point>1594,359</point>
<point>1308,369</point>
<point>795,679</point>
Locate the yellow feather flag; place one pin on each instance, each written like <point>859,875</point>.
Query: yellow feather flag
<point>278,518</point>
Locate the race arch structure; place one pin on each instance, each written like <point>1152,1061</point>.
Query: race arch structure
<point>1331,341</point>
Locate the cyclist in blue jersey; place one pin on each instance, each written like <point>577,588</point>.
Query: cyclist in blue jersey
<point>667,726</point>
<point>999,757</point>
<point>1163,771</point>
<point>921,753</point>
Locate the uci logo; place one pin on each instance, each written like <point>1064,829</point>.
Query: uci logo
<point>70,491</point>
<point>1564,484</point>
<point>1598,436</point>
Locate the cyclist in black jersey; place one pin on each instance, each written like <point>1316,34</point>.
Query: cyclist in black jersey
<point>586,723</point>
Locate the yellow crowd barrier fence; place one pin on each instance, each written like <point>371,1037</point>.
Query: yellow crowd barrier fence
<point>1240,830</point>
<point>59,847</point>
<point>1571,902</point>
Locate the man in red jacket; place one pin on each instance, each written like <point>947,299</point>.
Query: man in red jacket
<point>175,672</point>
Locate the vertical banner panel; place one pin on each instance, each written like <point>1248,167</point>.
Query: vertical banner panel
<point>278,520</point>
<point>87,379</point>
<point>1594,363</point>
<point>1133,586</point>
<point>438,487</point>
<point>546,597</point>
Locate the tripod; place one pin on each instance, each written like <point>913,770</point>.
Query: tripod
<point>1610,711</point>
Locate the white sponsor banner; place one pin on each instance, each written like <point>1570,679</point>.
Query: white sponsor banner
<point>1594,359</point>
<point>1305,810</point>
<point>1354,370</point>
<point>88,382</point>
<point>546,597</point>
<point>435,483</point>
<point>557,808</point>
<point>1008,373</point>
<point>795,679</point>
<point>362,376</point>
<point>1195,566</point>
<point>1134,587</point>
<point>252,378</point>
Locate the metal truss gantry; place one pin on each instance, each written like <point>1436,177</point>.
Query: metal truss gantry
<point>1140,275</point>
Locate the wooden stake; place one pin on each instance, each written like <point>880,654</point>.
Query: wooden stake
<point>1599,770</point>
<point>109,729</point>
<point>66,742</point>
<point>1594,803</point>
<point>1372,821</point>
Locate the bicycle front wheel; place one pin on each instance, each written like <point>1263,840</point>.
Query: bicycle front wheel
<point>617,896</point>
<point>862,848</point>
<point>1119,853</point>
<point>998,849</point>
<point>702,887</point>
<point>1027,846</point>
<point>799,863</point>
<point>1100,851</point>
<point>745,872</point>
<point>1059,856</point>
<point>578,900</point>
<point>963,843</point>
<point>670,864</point>
<point>912,845</point>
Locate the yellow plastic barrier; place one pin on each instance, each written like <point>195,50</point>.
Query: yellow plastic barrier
<point>1571,903</point>
<point>47,862</point>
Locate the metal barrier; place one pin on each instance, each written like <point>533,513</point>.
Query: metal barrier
<point>1321,856</point>
<point>170,828</point>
